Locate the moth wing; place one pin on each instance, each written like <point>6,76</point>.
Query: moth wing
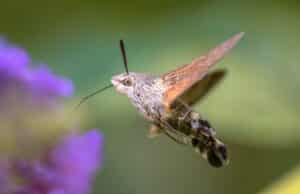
<point>200,89</point>
<point>180,80</point>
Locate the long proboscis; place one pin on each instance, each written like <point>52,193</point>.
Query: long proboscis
<point>85,98</point>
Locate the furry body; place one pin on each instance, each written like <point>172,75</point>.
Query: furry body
<point>179,122</point>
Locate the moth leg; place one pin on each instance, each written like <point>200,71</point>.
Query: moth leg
<point>172,137</point>
<point>154,131</point>
<point>185,105</point>
<point>189,110</point>
<point>181,119</point>
<point>169,130</point>
<point>174,134</point>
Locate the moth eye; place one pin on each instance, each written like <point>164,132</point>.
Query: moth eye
<point>127,82</point>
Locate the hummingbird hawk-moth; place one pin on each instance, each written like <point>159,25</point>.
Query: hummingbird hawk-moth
<point>166,101</point>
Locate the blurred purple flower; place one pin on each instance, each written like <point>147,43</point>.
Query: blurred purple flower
<point>4,183</point>
<point>67,167</point>
<point>17,75</point>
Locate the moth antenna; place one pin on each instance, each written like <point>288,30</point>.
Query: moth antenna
<point>123,51</point>
<point>85,98</point>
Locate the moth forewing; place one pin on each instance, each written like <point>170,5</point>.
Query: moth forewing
<point>182,78</point>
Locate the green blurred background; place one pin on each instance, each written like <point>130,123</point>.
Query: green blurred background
<point>255,110</point>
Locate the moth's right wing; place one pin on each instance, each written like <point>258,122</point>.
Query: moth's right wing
<point>178,81</point>
<point>202,87</point>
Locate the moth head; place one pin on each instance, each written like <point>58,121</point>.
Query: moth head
<point>124,83</point>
